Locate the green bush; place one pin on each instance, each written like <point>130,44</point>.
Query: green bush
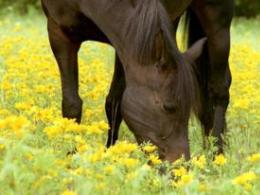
<point>247,8</point>
<point>21,6</point>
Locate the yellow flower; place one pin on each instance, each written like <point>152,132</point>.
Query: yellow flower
<point>88,113</point>
<point>183,181</point>
<point>154,159</point>
<point>53,131</point>
<point>68,192</point>
<point>4,113</point>
<point>82,148</point>
<point>103,125</point>
<point>242,103</point>
<point>203,187</point>
<point>123,148</point>
<point>15,124</point>
<point>101,186</point>
<point>220,160</point>
<point>79,139</point>
<point>2,147</point>
<point>199,161</point>
<point>245,180</point>
<point>109,169</point>
<point>94,129</point>
<point>255,158</point>
<point>149,148</point>
<point>75,127</point>
<point>23,106</point>
<point>98,156</point>
<point>179,172</point>
<point>129,162</point>
<point>79,171</point>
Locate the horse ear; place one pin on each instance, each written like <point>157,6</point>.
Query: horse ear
<point>195,51</point>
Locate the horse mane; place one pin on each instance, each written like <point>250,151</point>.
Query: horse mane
<point>153,20</point>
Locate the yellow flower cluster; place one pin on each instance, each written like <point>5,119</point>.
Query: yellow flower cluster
<point>220,160</point>
<point>255,158</point>
<point>149,148</point>
<point>63,126</point>
<point>199,161</point>
<point>245,180</point>
<point>15,124</point>
<point>183,178</point>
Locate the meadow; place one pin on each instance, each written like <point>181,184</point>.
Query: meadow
<point>35,139</point>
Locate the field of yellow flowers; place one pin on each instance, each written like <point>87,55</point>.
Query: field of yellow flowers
<point>35,140</point>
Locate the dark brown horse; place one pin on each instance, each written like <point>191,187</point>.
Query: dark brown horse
<point>154,87</point>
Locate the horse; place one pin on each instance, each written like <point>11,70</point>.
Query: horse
<point>211,19</point>
<point>154,86</point>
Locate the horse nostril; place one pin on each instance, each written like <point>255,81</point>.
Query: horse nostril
<point>169,107</point>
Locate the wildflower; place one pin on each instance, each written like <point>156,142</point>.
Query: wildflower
<point>88,113</point>
<point>245,180</point>
<point>2,147</point>
<point>129,162</point>
<point>82,148</point>
<point>79,139</point>
<point>183,181</point>
<point>68,192</point>
<point>122,148</point>
<point>199,161</point>
<point>75,128</point>
<point>154,159</point>
<point>16,124</point>
<point>94,129</point>
<point>242,103</point>
<point>79,171</point>
<point>109,169</point>
<point>220,160</point>
<point>179,172</point>
<point>203,187</point>
<point>149,148</point>
<point>96,156</point>
<point>23,106</point>
<point>103,125</point>
<point>255,158</point>
<point>53,131</point>
<point>4,113</point>
<point>29,156</point>
<point>100,186</point>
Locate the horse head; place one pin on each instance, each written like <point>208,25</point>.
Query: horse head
<point>161,93</point>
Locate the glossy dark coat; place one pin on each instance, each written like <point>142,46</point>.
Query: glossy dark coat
<point>154,86</point>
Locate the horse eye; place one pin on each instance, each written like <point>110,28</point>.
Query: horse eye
<point>170,107</point>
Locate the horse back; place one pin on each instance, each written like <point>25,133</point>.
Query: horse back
<point>68,16</point>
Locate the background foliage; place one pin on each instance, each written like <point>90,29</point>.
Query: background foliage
<point>248,8</point>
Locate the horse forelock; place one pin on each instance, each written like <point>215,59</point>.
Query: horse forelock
<point>152,20</point>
